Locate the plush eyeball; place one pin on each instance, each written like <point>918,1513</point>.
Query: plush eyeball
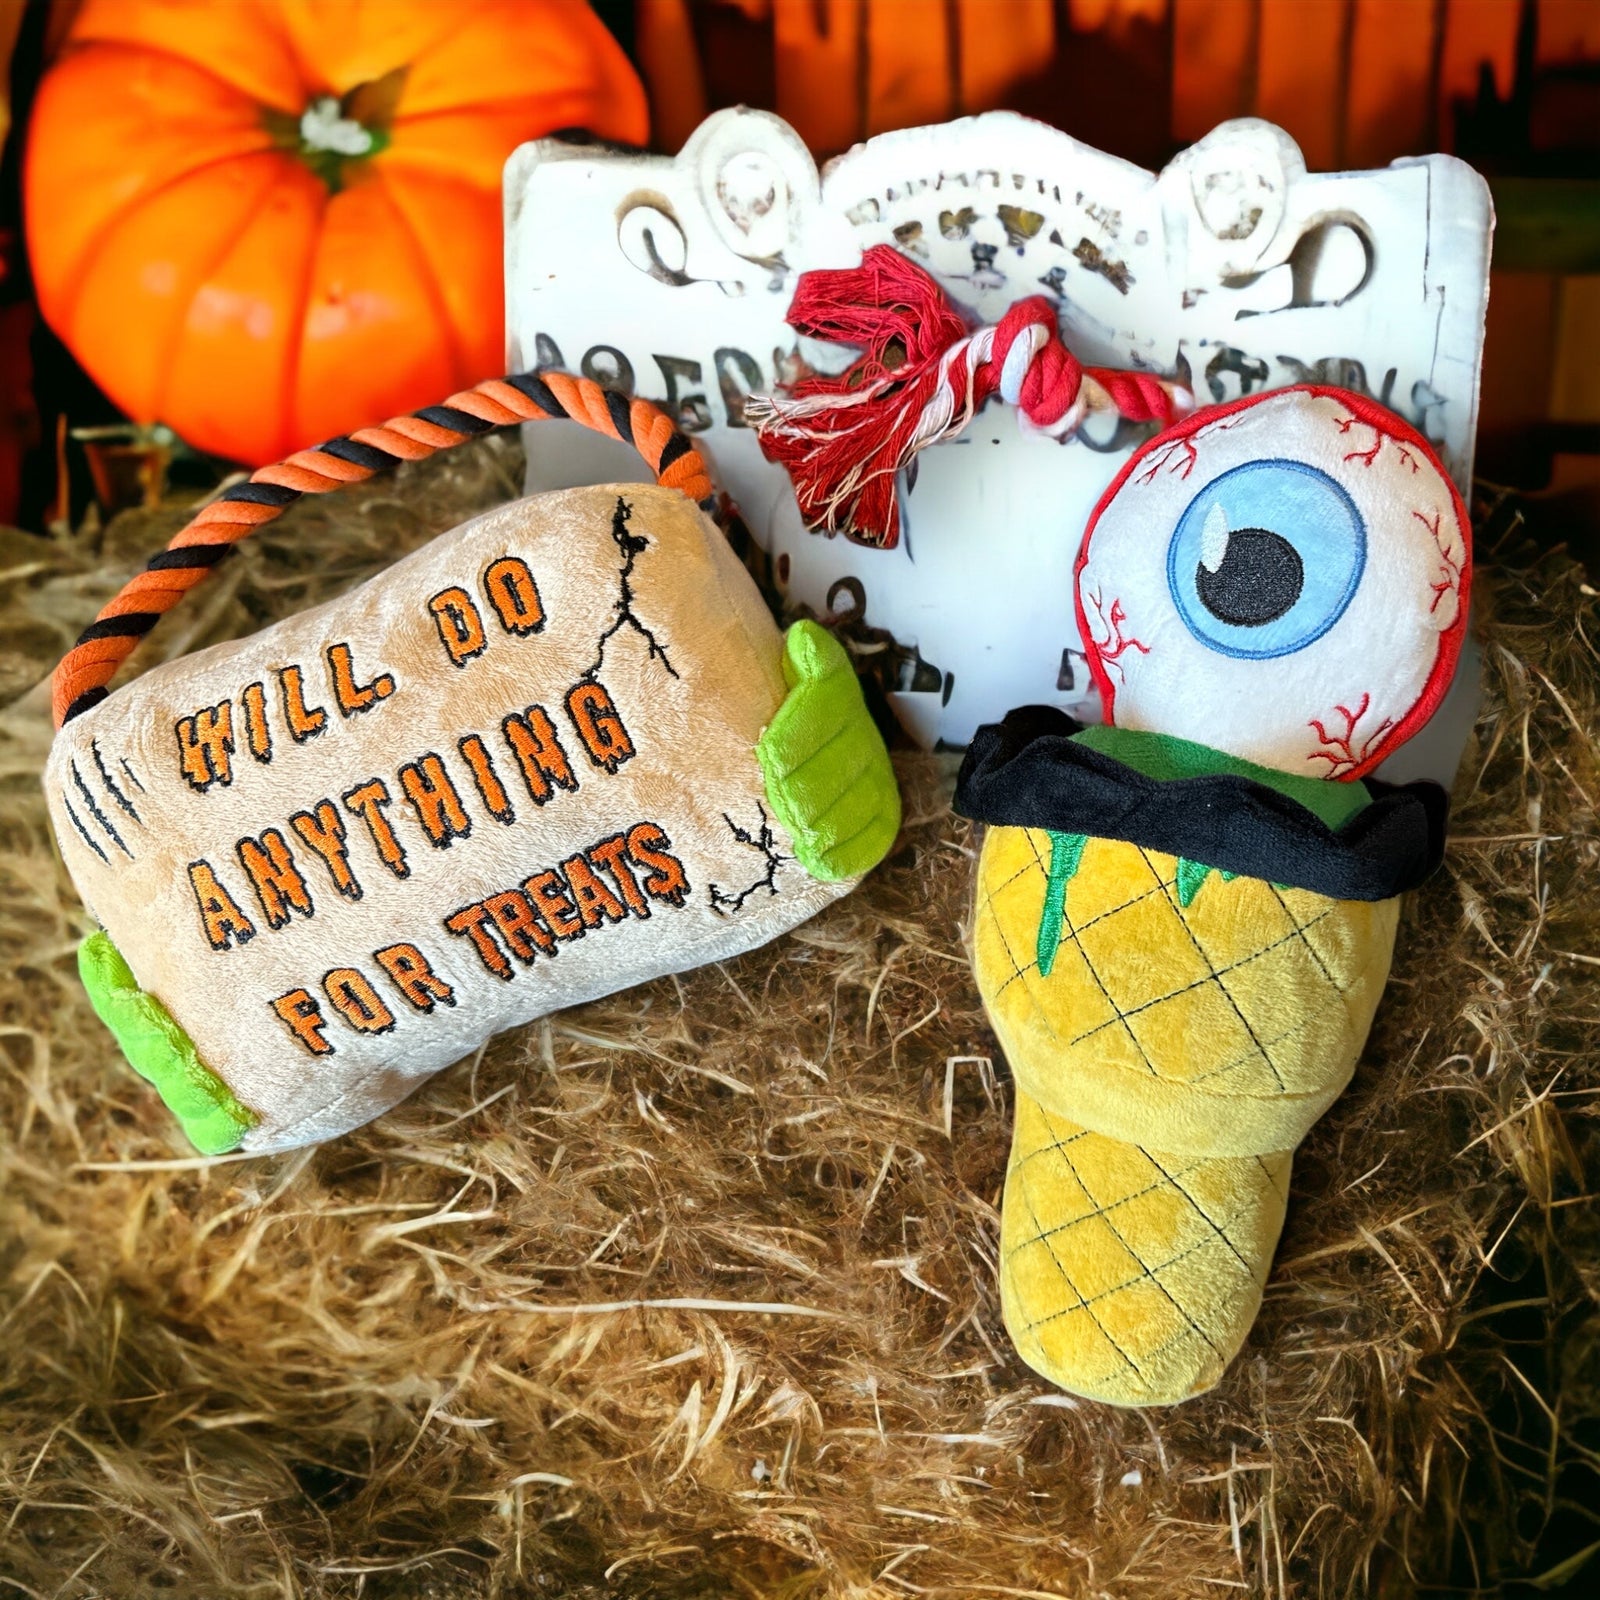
<point>1284,579</point>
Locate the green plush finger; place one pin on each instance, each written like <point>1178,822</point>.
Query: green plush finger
<point>828,777</point>
<point>853,827</point>
<point>160,1051</point>
<point>820,782</point>
<point>824,694</point>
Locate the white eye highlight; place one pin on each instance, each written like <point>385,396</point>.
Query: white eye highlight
<point>1214,539</point>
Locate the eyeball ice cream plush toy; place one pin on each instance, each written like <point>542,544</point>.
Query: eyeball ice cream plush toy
<point>1185,918</point>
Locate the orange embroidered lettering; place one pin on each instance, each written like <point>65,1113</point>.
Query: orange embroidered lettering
<point>205,745</point>
<point>367,801</point>
<point>567,902</point>
<point>354,998</point>
<point>595,902</point>
<point>514,595</point>
<point>470,922</point>
<point>547,891</point>
<point>257,732</point>
<point>648,846</point>
<point>544,764</point>
<point>220,915</point>
<point>321,828</point>
<point>434,799</point>
<point>304,723</point>
<point>413,977</point>
<point>274,877</point>
<point>460,627</point>
<point>612,854</point>
<point>594,716</point>
<point>352,697</point>
<point>522,931</point>
<point>304,1019</point>
<point>490,789</point>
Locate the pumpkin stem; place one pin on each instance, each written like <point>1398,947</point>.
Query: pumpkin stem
<point>334,130</point>
<point>322,128</point>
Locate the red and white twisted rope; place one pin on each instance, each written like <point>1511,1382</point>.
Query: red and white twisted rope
<point>922,377</point>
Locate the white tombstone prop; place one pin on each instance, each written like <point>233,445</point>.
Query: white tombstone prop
<point>1234,269</point>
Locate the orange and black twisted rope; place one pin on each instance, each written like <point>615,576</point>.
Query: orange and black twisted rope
<point>85,671</point>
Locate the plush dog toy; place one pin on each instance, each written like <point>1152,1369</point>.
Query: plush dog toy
<point>1184,918</point>
<point>560,750</point>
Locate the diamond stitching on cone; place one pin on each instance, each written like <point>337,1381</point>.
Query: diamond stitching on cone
<point>1149,919</point>
<point>1066,1319</point>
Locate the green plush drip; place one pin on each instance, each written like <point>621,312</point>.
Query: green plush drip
<point>1160,756</point>
<point>160,1051</point>
<point>827,773</point>
<point>1066,851</point>
<point>1192,874</point>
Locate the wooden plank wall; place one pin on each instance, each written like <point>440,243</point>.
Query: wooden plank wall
<point>1357,82</point>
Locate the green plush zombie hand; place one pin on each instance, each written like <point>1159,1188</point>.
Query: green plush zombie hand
<point>827,772</point>
<point>159,1050</point>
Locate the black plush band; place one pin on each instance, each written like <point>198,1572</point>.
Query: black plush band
<point>1026,772</point>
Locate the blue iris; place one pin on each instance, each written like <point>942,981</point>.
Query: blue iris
<point>1265,559</point>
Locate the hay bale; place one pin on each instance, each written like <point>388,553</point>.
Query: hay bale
<point>692,1291</point>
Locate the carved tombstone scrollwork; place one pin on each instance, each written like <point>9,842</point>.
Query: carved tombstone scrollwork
<point>1233,268</point>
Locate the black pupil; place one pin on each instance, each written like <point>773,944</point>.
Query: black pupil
<point>1258,579</point>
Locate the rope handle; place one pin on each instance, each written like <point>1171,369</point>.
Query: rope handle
<point>81,679</point>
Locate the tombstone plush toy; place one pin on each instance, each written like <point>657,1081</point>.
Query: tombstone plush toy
<point>555,752</point>
<point>1184,918</point>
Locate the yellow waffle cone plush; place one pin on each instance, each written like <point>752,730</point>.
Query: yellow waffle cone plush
<point>1184,920</point>
<point>1201,1040</point>
<point>1132,1275</point>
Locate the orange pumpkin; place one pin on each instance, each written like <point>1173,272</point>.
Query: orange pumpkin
<point>267,222</point>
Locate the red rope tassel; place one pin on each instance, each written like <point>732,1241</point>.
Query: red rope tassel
<point>922,377</point>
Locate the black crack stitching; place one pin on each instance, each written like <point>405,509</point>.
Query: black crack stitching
<point>630,544</point>
<point>726,904</point>
<point>83,832</point>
